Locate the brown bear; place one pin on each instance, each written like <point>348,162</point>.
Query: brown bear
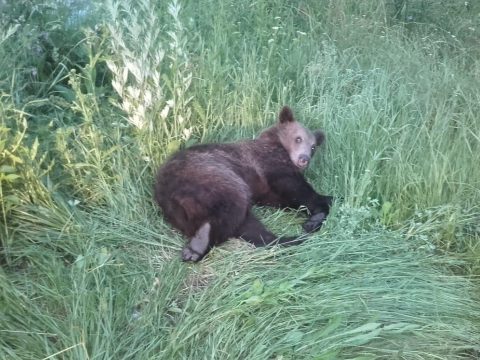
<point>207,191</point>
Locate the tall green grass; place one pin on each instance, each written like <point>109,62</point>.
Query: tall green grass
<point>89,269</point>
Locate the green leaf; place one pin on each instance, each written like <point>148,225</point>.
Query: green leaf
<point>34,149</point>
<point>15,158</point>
<point>332,325</point>
<point>10,177</point>
<point>67,93</point>
<point>257,287</point>
<point>80,262</point>
<point>294,337</point>
<point>12,199</point>
<point>364,328</point>
<point>309,273</point>
<point>254,300</point>
<point>330,355</point>
<point>399,328</point>
<point>7,169</point>
<point>362,339</point>
<point>173,146</point>
<point>103,256</point>
<point>284,286</point>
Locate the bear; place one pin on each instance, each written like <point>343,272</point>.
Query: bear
<point>207,191</point>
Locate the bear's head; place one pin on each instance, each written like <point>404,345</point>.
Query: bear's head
<point>299,142</point>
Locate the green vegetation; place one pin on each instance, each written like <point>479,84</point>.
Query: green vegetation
<point>94,98</point>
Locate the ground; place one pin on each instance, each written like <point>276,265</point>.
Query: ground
<point>89,269</point>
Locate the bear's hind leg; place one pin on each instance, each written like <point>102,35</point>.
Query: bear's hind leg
<point>253,231</point>
<point>198,245</point>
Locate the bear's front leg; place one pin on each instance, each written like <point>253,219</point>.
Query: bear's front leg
<point>318,215</point>
<point>294,192</point>
<point>253,231</point>
<point>314,223</point>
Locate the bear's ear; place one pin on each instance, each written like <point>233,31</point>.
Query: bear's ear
<point>319,136</point>
<point>286,115</point>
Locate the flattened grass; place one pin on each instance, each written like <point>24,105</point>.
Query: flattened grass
<point>354,289</point>
<point>90,270</point>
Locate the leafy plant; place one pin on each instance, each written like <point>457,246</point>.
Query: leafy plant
<point>151,72</point>
<point>92,101</point>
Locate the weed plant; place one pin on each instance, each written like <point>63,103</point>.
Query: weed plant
<point>94,98</point>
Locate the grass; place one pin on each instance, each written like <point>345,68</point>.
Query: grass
<point>90,270</point>
<point>361,293</point>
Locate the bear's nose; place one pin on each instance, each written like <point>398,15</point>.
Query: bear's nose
<point>303,160</point>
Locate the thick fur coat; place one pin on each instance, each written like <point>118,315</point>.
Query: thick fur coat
<point>207,191</point>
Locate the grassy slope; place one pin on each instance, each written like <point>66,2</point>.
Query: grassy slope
<point>399,108</point>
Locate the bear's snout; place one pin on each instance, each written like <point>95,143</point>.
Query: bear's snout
<point>303,161</point>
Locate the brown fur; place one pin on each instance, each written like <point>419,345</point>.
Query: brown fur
<point>207,191</point>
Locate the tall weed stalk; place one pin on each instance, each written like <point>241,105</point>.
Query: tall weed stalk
<point>152,73</point>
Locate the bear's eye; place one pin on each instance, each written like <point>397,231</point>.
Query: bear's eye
<point>313,148</point>
<point>298,140</point>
